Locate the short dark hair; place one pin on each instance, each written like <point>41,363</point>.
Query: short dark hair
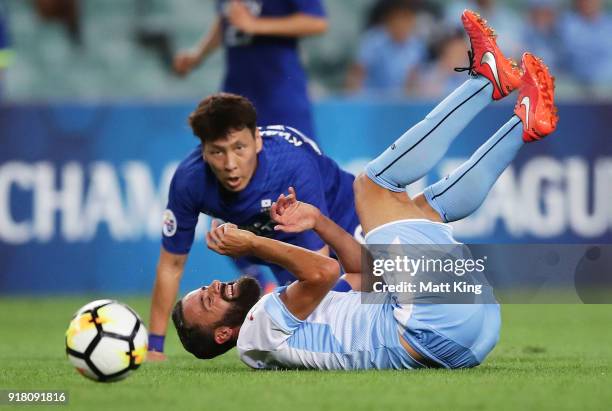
<point>199,341</point>
<point>383,9</point>
<point>218,115</point>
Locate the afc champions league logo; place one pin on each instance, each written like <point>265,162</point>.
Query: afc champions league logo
<point>169,223</point>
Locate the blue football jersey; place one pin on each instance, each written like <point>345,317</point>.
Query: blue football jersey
<point>267,69</point>
<point>287,159</point>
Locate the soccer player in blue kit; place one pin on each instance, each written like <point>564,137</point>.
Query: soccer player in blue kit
<point>260,39</point>
<point>261,55</point>
<point>305,325</point>
<point>235,175</point>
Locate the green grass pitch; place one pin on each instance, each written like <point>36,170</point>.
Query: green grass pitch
<point>556,357</point>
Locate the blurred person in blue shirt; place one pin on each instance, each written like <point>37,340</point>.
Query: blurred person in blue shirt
<point>261,54</point>
<point>542,35</point>
<point>390,51</point>
<point>439,78</point>
<point>587,37</point>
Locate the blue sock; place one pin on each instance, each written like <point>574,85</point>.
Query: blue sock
<point>156,342</point>
<point>424,145</point>
<point>464,190</point>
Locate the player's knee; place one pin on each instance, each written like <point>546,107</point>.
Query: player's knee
<point>359,186</point>
<point>366,198</point>
<point>366,191</point>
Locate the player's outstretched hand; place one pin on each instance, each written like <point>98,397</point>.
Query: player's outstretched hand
<point>185,61</point>
<point>228,239</point>
<point>293,216</point>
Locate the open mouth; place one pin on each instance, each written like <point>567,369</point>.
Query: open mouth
<point>229,291</point>
<point>233,182</point>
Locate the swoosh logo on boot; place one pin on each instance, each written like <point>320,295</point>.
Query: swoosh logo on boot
<point>526,101</point>
<point>489,58</point>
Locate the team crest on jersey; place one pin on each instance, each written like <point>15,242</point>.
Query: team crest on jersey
<point>170,225</point>
<point>266,203</point>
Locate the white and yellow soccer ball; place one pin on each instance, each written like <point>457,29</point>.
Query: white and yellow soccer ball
<point>106,340</point>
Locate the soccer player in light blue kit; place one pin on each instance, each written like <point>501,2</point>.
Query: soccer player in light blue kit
<point>305,325</point>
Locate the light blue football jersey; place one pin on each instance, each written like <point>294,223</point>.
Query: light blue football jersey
<point>345,333</point>
<point>342,333</point>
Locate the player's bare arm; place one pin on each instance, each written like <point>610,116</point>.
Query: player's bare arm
<point>169,272</point>
<point>316,273</point>
<point>187,60</point>
<point>294,25</point>
<point>293,216</point>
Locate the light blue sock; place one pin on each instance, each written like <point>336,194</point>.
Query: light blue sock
<point>465,189</point>
<point>424,145</point>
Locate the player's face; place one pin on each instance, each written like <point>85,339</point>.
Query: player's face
<point>220,304</point>
<point>234,159</point>
<point>400,25</point>
<point>589,7</point>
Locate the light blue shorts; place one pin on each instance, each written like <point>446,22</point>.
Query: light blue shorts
<point>452,335</point>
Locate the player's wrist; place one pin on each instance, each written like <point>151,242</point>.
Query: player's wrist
<point>319,219</point>
<point>253,243</point>
<point>156,342</point>
<point>254,27</point>
<point>198,54</point>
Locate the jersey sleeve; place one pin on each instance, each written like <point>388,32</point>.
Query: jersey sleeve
<point>266,328</point>
<point>180,217</point>
<point>312,7</point>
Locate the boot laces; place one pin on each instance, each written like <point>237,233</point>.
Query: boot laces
<point>470,67</point>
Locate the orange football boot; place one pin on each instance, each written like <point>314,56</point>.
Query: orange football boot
<point>487,59</point>
<point>536,102</point>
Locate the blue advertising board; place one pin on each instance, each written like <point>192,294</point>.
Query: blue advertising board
<point>83,187</point>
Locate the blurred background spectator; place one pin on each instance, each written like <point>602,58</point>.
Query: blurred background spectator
<point>541,35</point>
<point>587,39</point>
<point>438,77</point>
<point>390,50</point>
<point>64,12</point>
<point>503,19</point>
